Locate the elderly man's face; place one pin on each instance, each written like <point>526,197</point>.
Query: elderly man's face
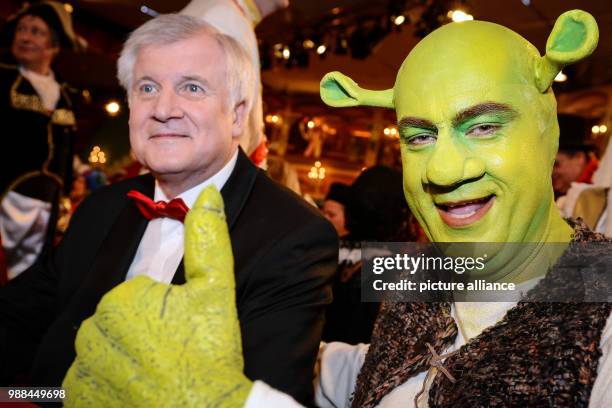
<point>477,138</point>
<point>32,43</point>
<point>181,123</point>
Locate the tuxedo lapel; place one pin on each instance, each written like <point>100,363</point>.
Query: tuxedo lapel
<point>237,189</point>
<point>111,263</point>
<point>235,194</point>
<point>179,275</point>
<point>117,252</point>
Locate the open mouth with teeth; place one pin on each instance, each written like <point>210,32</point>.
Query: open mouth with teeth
<point>462,213</point>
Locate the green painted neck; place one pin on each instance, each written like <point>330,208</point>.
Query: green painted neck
<point>543,256</point>
<point>522,262</point>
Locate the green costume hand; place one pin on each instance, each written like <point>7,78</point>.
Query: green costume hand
<point>157,345</point>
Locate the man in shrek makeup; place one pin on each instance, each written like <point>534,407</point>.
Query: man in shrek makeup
<point>478,142</point>
<point>479,134</point>
<point>471,143</point>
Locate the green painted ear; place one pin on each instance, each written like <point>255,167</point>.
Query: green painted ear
<point>340,91</point>
<point>573,38</point>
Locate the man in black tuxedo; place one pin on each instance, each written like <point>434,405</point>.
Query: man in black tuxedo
<point>188,91</point>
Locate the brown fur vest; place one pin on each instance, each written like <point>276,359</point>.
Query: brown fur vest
<point>539,355</point>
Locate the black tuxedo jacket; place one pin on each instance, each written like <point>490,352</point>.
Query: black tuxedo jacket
<point>285,255</point>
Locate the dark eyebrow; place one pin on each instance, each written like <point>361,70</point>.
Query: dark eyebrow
<point>482,109</point>
<point>409,121</point>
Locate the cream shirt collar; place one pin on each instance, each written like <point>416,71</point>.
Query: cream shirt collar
<point>473,318</point>
<point>47,88</point>
<point>218,179</point>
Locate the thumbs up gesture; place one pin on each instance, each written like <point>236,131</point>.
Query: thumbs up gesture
<point>156,345</point>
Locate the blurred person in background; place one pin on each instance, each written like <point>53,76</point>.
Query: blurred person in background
<point>576,160</point>
<point>334,207</point>
<point>592,201</point>
<point>375,211</point>
<point>38,115</point>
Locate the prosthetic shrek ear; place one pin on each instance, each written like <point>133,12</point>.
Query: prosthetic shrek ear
<point>573,38</point>
<point>340,91</point>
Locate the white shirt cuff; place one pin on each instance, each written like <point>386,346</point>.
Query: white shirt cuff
<point>264,396</point>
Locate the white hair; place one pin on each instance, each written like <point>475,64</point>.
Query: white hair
<point>168,29</point>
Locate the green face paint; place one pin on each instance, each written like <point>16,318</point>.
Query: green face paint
<point>478,128</point>
<point>477,138</point>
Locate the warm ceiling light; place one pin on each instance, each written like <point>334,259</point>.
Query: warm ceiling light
<point>336,10</point>
<point>321,49</point>
<point>86,95</point>
<point>286,53</point>
<point>97,156</point>
<point>599,129</point>
<point>308,44</point>
<point>399,20</point>
<point>68,7</point>
<point>458,16</point>
<point>112,108</point>
<point>310,124</point>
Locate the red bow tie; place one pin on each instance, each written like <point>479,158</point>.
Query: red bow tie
<point>176,208</point>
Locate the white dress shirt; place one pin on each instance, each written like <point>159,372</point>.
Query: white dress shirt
<point>23,227</point>
<point>45,86</point>
<point>161,249</point>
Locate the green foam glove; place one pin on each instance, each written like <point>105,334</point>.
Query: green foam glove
<point>156,345</point>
